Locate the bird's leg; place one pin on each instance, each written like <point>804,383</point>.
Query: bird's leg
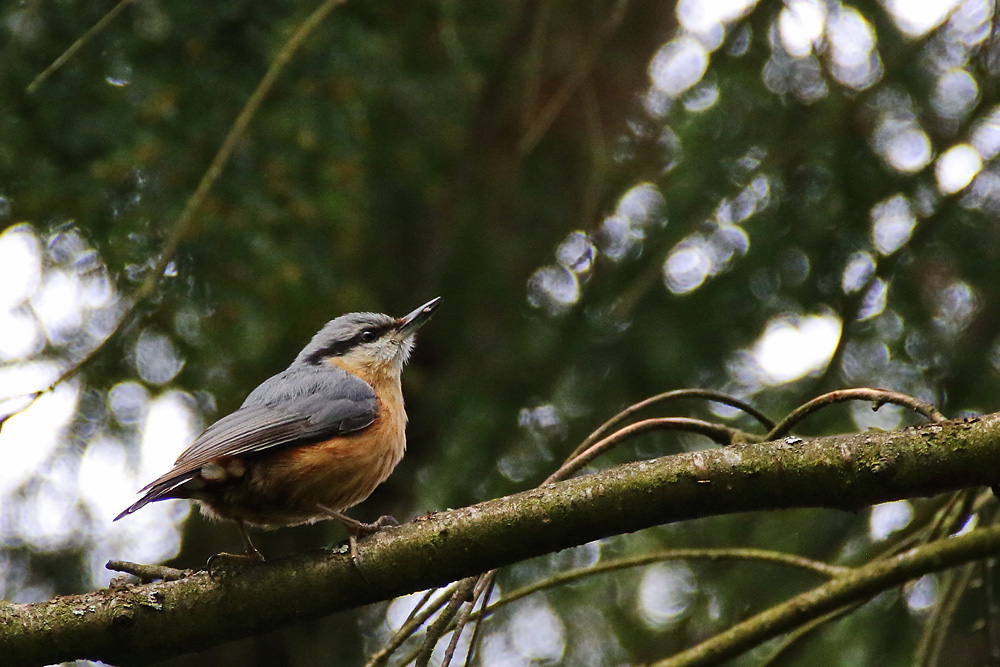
<point>248,546</point>
<point>252,555</point>
<point>357,528</point>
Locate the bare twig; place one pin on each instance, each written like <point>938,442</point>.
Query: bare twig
<point>482,582</point>
<point>618,564</point>
<point>184,223</point>
<point>491,580</point>
<point>861,584</point>
<point>77,45</point>
<point>714,396</point>
<point>441,624</point>
<point>926,524</point>
<point>806,629</point>
<point>877,396</point>
<point>147,573</point>
<point>954,515</point>
<point>561,97</point>
<point>720,434</point>
<point>954,585</point>
<point>35,395</point>
<point>420,605</point>
<point>411,625</point>
<point>992,610</point>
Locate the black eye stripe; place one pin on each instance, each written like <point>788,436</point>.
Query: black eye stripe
<point>341,347</point>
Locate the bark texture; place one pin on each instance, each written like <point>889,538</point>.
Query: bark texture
<point>139,624</point>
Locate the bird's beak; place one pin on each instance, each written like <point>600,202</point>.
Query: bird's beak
<point>410,323</point>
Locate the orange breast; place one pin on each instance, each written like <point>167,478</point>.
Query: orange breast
<point>344,471</point>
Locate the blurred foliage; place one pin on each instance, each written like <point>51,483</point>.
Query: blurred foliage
<point>412,150</point>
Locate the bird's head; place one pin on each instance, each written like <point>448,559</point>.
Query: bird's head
<point>367,344</point>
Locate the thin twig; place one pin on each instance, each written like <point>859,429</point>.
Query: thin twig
<point>77,45</point>
<point>720,434</point>
<point>877,396</point>
<point>194,202</point>
<point>147,573</point>
<point>954,585</point>
<point>954,515</point>
<point>806,629</point>
<point>409,627</point>
<point>714,396</point>
<point>925,523</point>
<point>992,611</point>
<point>462,619</point>
<point>441,624</point>
<point>35,395</point>
<point>615,565</point>
<point>419,606</point>
<point>533,61</point>
<point>561,97</point>
<point>862,583</point>
<point>491,580</point>
<point>940,525</point>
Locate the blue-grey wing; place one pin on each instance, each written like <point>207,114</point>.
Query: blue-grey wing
<point>299,405</point>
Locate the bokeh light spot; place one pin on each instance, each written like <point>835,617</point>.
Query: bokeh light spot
<point>801,24</point>
<point>859,269</point>
<point>887,518</point>
<point>918,17</point>
<point>20,265</point>
<point>957,167</point>
<point>576,253</point>
<point>791,348</point>
<point>686,268</point>
<point>554,289</point>
<point>893,221</point>
<point>908,150</point>
<point>678,65</point>
<point>666,594</point>
<point>156,358</point>
<point>956,94</point>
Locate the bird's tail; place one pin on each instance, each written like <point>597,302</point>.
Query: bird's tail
<point>160,489</point>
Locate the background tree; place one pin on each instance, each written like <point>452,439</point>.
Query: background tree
<point>613,198</point>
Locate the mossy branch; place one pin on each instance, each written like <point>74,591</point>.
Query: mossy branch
<point>139,624</point>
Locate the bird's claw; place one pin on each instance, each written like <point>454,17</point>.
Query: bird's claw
<point>221,560</point>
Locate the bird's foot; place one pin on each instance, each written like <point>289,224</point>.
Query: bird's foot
<point>382,522</point>
<point>223,560</point>
<point>357,529</point>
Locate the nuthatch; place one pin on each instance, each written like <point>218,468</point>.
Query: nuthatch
<point>312,440</point>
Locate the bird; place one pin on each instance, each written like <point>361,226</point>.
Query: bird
<point>309,442</point>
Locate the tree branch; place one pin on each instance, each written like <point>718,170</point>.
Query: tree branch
<point>143,623</point>
<point>863,582</point>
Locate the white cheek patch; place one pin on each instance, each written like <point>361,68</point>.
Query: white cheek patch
<point>390,353</point>
<point>406,347</point>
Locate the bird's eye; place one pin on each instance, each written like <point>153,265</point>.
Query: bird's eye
<point>368,335</point>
